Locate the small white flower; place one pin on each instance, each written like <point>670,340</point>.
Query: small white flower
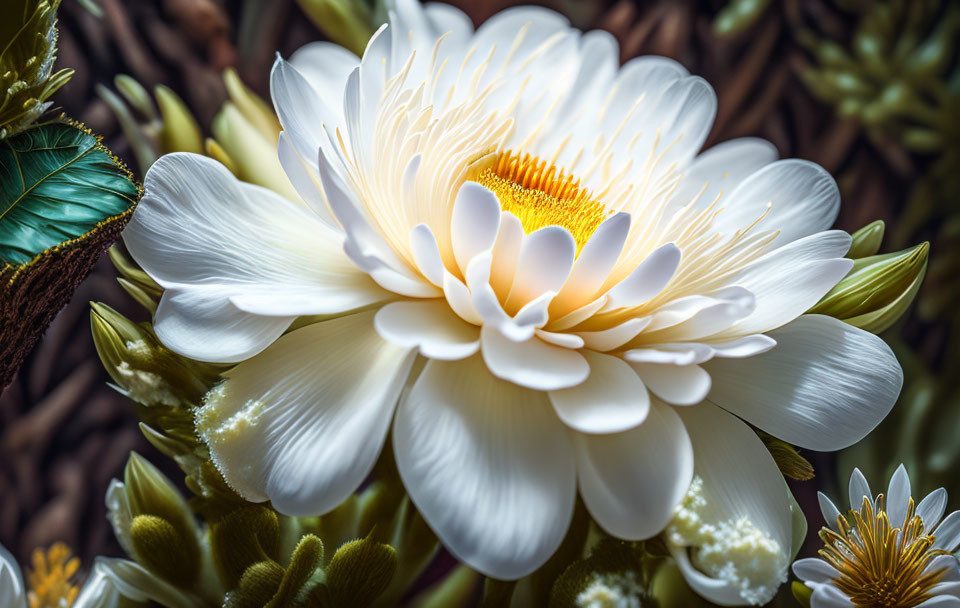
<point>619,590</point>
<point>885,551</point>
<point>596,306</point>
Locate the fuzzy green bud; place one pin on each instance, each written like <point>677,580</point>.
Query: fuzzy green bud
<point>303,564</point>
<point>244,537</point>
<point>360,571</point>
<point>878,290</point>
<point>257,586</point>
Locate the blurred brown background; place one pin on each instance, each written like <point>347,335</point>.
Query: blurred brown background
<point>64,433</point>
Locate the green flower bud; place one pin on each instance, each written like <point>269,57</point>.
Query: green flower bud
<point>215,151</point>
<point>132,273</point>
<point>878,290</point>
<point>257,112</point>
<point>801,593</point>
<point>304,563</point>
<point>163,533</point>
<point>738,16</point>
<point>244,537</point>
<point>360,571</point>
<point>136,95</point>
<point>180,131</point>
<point>791,463</point>
<point>257,586</point>
<point>866,241</point>
<point>346,22</point>
<point>162,549</point>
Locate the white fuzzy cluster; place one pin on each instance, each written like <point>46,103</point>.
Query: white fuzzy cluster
<point>145,387</point>
<point>611,591</point>
<point>734,550</point>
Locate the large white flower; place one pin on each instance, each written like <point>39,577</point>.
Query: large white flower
<point>586,293</point>
<point>886,550</point>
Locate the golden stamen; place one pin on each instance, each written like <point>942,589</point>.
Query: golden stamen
<point>881,566</point>
<point>49,581</point>
<point>540,195</point>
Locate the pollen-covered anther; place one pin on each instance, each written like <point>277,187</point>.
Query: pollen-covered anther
<point>540,195</point>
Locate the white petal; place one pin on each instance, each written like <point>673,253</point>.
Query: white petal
<point>647,279</point>
<point>12,591</point>
<point>740,481</point>
<point>475,222</point>
<point>683,353</point>
<point>721,169</point>
<point>829,510</point>
<point>675,384</point>
<point>858,489</point>
<point>825,385</point>
<point>948,567</point>
<point>560,339</point>
<point>616,336</point>
<point>546,257</point>
<point>114,582</point>
<point>932,508</point>
<point>488,465</point>
<point>534,363</point>
<point>302,112</point>
<point>326,66</point>
<point>611,400</point>
<point>594,263</point>
<point>729,305</point>
<point>898,497</point>
<point>632,481</point>
<point>426,254</point>
<point>430,325</point>
<point>506,252</point>
<point>209,238</point>
<point>948,533</point>
<point>746,346</point>
<point>721,593</point>
<point>814,570</point>
<point>303,423</point>
<point>942,601</point>
<point>951,589</point>
<point>828,596</point>
<point>803,199</point>
<point>459,298</point>
<point>790,280</point>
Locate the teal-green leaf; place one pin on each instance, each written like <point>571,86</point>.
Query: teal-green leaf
<point>57,183</point>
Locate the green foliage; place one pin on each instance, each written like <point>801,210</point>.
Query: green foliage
<point>57,183</point>
<point>28,39</point>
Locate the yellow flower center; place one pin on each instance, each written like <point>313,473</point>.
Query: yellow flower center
<point>881,566</point>
<point>49,581</point>
<point>540,195</point>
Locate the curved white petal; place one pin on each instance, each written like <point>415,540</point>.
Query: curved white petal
<point>302,423</point>
<point>898,497</point>
<point>116,582</point>
<point>305,179</point>
<point>741,485</point>
<point>594,263</point>
<point>746,346</point>
<point>675,384</point>
<point>814,570</point>
<point>430,325</point>
<point>489,466</point>
<point>828,509</point>
<point>824,386</point>
<point>632,481</point>
<point>932,508</point>
<point>544,263</point>
<point>616,336</point>
<point>12,591</point>
<point>326,66</point>
<point>802,197</point>
<point>475,222</point>
<point>612,399</point>
<point>858,490</point>
<point>948,533</point>
<point>214,243</point>
<point>647,279</point>
<point>828,596</point>
<point>533,363</point>
<point>681,353</point>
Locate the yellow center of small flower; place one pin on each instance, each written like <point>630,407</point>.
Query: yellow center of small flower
<point>881,566</point>
<point>540,195</point>
<point>49,581</point>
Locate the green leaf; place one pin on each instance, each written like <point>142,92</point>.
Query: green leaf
<point>57,183</point>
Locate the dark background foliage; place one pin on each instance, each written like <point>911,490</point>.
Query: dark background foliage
<point>64,433</point>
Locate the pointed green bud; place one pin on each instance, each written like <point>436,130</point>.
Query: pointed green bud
<point>258,112</point>
<point>160,548</point>
<point>215,151</point>
<point>801,593</point>
<point>306,558</point>
<point>346,22</point>
<point>142,138</point>
<point>180,131</point>
<point>360,571</point>
<point>791,463</point>
<point>139,295</point>
<point>129,270</point>
<point>136,95</point>
<point>878,290</point>
<point>257,586</point>
<point>150,373</point>
<point>866,241</point>
<point>244,537</point>
<point>166,539</point>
